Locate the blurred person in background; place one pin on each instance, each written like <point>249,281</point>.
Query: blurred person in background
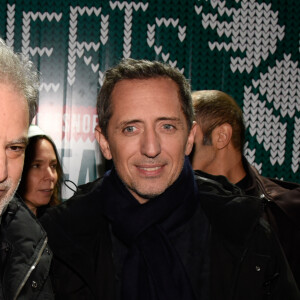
<point>218,150</point>
<point>40,185</point>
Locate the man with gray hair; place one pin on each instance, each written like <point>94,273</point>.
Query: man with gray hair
<point>25,256</point>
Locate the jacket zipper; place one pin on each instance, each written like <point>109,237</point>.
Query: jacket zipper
<point>31,268</point>
<point>262,191</point>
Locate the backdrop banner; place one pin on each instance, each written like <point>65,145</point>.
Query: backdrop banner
<point>249,49</point>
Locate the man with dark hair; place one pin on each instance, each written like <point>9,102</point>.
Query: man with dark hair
<point>150,228</point>
<point>25,256</point>
<point>218,150</point>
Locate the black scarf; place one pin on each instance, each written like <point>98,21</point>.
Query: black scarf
<point>152,268</point>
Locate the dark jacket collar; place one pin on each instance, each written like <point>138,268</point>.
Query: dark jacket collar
<point>285,194</point>
<point>230,211</point>
<point>228,208</point>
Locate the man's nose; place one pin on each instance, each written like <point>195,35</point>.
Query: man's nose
<point>150,143</point>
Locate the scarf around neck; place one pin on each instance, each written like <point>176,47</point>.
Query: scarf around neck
<point>152,269</point>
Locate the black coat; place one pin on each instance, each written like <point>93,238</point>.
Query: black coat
<point>246,261</point>
<point>25,255</point>
<point>281,201</point>
<point>82,266</point>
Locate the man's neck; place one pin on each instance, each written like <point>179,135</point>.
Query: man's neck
<point>235,171</point>
<point>228,164</point>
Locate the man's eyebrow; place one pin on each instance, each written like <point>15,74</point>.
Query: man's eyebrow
<point>22,140</point>
<point>170,119</point>
<point>127,122</point>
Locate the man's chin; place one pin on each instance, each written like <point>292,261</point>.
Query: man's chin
<point>6,197</point>
<point>149,194</point>
<point>4,200</point>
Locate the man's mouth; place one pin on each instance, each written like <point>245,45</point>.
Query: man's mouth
<point>150,169</point>
<point>2,192</point>
<point>3,189</point>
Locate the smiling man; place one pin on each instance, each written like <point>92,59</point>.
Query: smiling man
<point>151,228</point>
<point>152,132</point>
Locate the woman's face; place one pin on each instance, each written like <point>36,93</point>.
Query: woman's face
<point>42,176</point>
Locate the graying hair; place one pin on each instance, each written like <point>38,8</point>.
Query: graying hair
<point>18,70</point>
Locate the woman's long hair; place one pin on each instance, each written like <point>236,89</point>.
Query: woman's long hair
<point>30,154</point>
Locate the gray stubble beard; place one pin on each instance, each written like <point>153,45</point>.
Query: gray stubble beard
<point>7,198</point>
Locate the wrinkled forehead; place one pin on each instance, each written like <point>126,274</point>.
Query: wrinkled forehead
<point>13,107</point>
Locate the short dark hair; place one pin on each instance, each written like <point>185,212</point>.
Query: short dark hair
<point>141,69</point>
<point>214,108</point>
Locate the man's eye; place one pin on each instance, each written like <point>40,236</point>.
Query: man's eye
<point>129,129</point>
<point>168,126</point>
<point>15,151</point>
<point>17,148</point>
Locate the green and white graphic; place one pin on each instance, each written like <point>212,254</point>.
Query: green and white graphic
<point>247,48</point>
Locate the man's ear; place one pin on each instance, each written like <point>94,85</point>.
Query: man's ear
<point>222,135</point>
<point>103,143</point>
<point>191,138</point>
<point>198,139</point>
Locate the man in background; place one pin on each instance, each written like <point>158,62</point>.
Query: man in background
<point>218,150</point>
<point>151,229</point>
<point>25,257</point>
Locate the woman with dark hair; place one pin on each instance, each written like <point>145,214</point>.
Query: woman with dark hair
<point>40,185</point>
